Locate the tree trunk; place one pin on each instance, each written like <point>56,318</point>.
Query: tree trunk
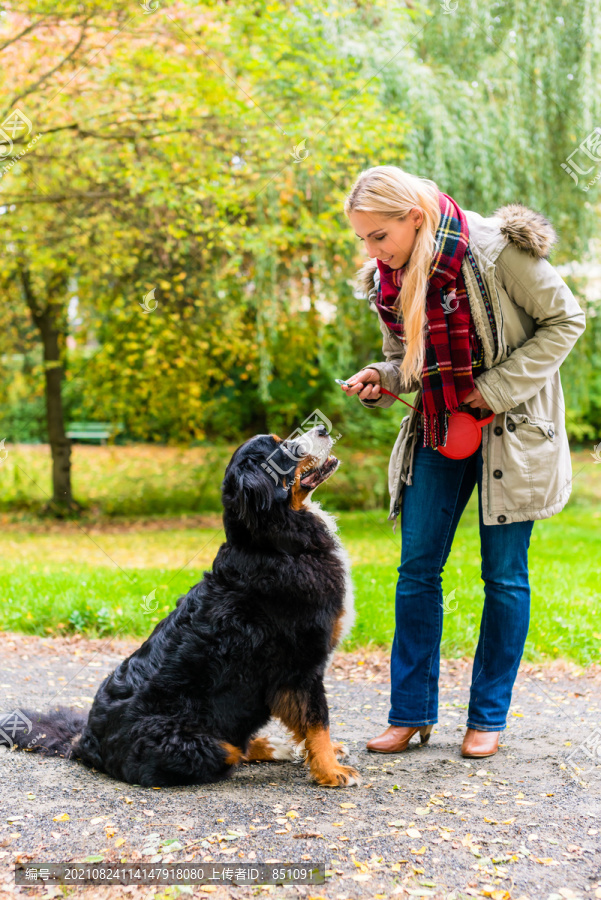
<point>47,319</point>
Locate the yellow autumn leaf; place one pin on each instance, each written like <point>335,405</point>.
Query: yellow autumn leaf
<point>420,851</point>
<point>119,842</point>
<point>64,817</point>
<point>292,814</point>
<point>348,806</point>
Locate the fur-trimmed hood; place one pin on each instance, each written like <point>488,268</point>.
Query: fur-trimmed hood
<point>529,230</point>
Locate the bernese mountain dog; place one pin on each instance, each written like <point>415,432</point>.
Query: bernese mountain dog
<point>249,642</point>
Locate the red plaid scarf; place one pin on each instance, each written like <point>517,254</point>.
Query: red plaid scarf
<point>452,347</point>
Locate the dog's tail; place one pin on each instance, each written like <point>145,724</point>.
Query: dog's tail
<point>53,733</point>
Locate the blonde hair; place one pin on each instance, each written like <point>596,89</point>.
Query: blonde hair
<point>391,192</point>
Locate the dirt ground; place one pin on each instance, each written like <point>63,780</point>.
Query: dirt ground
<point>525,823</point>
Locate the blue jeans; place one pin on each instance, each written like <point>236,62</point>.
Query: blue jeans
<point>430,511</point>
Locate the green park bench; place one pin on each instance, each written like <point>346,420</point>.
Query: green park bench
<point>92,431</point>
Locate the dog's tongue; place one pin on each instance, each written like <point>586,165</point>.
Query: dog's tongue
<point>311,478</point>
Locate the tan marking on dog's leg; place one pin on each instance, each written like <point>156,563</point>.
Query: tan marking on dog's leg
<point>233,754</point>
<point>323,764</point>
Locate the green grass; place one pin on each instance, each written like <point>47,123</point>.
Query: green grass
<point>66,580</point>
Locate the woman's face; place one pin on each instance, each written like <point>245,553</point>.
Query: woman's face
<point>390,240</point>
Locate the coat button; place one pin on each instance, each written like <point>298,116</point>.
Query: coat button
<point>498,430</point>
<point>551,433</point>
<point>501,519</point>
<point>511,426</point>
<point>497,473</point>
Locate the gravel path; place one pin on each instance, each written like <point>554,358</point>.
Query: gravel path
<point>525,823</point>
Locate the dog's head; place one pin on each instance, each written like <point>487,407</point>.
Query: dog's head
<point>268,476</point>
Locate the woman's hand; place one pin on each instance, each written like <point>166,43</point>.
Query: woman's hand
<point>366,383</point>
<point>475,400</point>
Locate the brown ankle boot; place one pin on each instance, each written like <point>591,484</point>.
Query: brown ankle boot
<point>397,737</point>
<point>480,743</point>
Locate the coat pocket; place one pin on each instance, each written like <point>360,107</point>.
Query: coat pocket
<point>529,461</point>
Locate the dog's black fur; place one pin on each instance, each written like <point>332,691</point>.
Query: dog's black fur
<point>249,641</point>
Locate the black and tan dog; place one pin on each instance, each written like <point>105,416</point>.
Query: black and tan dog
<point>249,642</point>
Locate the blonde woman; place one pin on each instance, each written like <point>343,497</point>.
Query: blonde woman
<point>473,317</point>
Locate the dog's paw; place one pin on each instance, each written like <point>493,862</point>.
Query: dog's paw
<point>284,750</point>
<point>339,776</point>
<point>341,750</point>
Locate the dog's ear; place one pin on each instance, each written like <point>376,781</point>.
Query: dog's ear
<point>256,493</point>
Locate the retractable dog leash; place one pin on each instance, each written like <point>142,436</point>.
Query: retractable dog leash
<point>464,433</point>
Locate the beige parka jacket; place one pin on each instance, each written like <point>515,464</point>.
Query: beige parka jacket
<point>527,472</point>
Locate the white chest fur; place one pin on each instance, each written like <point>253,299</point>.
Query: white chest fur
<point>348,617</point>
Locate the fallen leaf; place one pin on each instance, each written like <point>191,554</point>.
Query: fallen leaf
<point>64,817</point>
<point>119,842</point>
<point>348,806</point>
<point>413,833</point>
